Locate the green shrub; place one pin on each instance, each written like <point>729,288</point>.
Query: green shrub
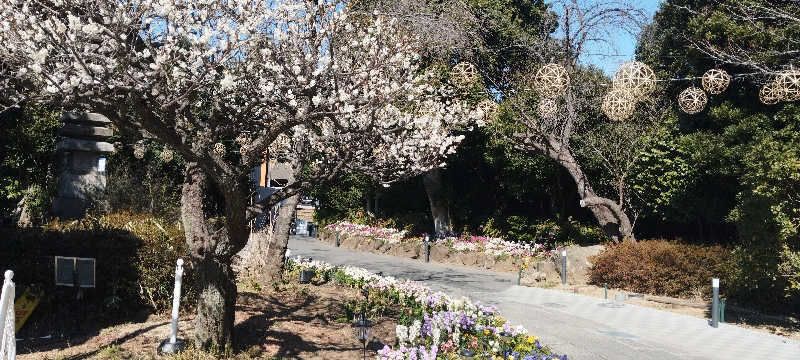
<point>135,256</point>
<point>523,229</point>
<point>148,185</point>
<point>765,278</point>
<point>659,267</point>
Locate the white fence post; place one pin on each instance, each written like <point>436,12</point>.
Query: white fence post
<point>8,340</point>
<point>173,344</point>
<point>176,301</point>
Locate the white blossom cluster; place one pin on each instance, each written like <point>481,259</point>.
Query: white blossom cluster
<point>200,73</point>
<point>359,274</point>
<point>409,335</point>
<point>311,264</point>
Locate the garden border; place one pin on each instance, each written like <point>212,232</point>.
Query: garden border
<point>438,253</point>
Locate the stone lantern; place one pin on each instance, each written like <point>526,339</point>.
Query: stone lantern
<point>81,154</point>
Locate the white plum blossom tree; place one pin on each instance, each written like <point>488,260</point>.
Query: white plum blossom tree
<point>197,75</point>
<point>411,147</point>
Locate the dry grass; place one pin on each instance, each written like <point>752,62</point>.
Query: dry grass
<point>293,322</point>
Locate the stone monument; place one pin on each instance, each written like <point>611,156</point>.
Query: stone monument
<point>81,156</point>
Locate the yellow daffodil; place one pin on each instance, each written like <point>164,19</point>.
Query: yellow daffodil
<point>486,331</point>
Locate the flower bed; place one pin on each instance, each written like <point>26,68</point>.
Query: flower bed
<point>432,325</point>
<point>389,235</point>
<point>474,251</point>
<point>494,246</point>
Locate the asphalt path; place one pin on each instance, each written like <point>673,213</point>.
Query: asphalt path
<point>580,326</point>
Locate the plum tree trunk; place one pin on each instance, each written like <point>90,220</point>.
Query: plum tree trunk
<point>274,254</point>
<point>215,304</point>
<point>437,197</point>
<point>609,214</point>
<point>212,241</point>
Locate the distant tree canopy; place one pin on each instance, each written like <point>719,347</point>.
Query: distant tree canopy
<point>700,173</point>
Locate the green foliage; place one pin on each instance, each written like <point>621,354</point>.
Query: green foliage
<point>660,178</point>
<point>28,155</point>
<point>769,209</point>
<point>506,25</point>
<point>149,185</point>
<point>135,254</point>
<point>548,232</point>
<point>659,267</point>
<point>342,199</point>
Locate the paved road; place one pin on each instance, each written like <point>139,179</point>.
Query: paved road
<point>580,326</point>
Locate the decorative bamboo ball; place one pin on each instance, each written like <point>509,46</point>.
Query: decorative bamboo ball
<point>551,80</point>
<point>788,83</point>
<point>770,94</point>
<point>637,77</point>
<point>463,74</point>
<point>619,104</point>
<point>167,155</point>
<point>219,149</point>
<point>547,108</point>
<point>489,109</point>
<point>692,100</point>
<point>715,81</point>
<point>139,150</point>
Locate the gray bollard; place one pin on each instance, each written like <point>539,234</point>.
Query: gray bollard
<point>427,249</point>
<point>722,310</point>
<point>174,345</point>
<point>564,267</point>
<point>619,300</point>
<point>605,291</point>
<point>519,277</point>
<point>337,239</point>
<point>715,303</point>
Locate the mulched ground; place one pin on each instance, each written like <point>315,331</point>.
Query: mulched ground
<point>294,322</point>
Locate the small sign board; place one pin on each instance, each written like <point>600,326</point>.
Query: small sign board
<point>71,271</point>
<point>24,306</point>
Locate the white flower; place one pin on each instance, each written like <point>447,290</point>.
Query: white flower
<point>40,56</point>
<point>402,334</point>
<point>414,332</point>
<point>317,99</point>
<point>91,29</point>
<point>227,82</point>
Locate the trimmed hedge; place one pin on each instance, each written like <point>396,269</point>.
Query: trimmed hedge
<point>659,267</point>
<point>135,255</point>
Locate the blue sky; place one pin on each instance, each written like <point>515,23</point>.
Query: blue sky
<point>625,43</point>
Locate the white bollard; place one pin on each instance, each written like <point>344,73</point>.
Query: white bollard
<point>173,344</point>
<point>8,340</point>
<point>176,301</point>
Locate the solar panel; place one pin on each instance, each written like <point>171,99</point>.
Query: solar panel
<point>74,270</point>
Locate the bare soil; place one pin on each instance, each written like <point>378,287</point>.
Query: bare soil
<point>294,322</point>
<point>778,325</point>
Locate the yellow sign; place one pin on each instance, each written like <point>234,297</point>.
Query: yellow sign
<point>23,307</point>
